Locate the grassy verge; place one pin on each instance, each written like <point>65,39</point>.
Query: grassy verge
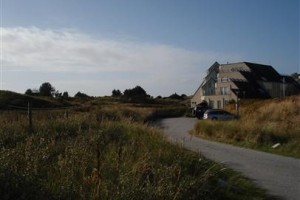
<point>262,125</point>
<point>105,153</point>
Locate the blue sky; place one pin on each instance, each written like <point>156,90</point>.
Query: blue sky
<point>165,46</point>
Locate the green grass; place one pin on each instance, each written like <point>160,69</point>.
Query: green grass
<point>263,123</point>
<point>106,152</point>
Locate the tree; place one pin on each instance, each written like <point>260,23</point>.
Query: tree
<point>116,93</point>
<point>29,92</point>
<point>176,96</point>
<point>295,75</point>
<point>81,95</point>
<point>46,89</point>
<point>65,95</point>
<point>183,96</point>
<point>32,92</point>
<point>57,94</point>
<point>137,92</point>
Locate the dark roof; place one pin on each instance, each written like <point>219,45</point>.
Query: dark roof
<point>214,67</point>
<point>264,72</point>
<point>249,89</point>
<point>290,80</point>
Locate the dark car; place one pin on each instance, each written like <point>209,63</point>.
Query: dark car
<point>218,114</point>
<point>199,111</point>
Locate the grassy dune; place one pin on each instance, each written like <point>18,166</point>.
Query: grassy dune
<point>10,99</point>
<point>106,152</point>
<point>263,123</point>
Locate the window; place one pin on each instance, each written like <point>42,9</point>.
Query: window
<point>224,79</point>
<point>211,104</point>
<point>227,90</point>
<point>219,104</point>
<point>224,90</point>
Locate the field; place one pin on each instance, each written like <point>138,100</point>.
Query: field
<point>103,150</point>
<point>262,124</point>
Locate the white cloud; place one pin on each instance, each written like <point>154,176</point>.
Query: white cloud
<point>163,69</point>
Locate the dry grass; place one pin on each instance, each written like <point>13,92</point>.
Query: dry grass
<point>105,152</point>
<point>263,123</point>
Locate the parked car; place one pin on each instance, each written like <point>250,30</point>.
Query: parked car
<point>199,111</point>
<point>218,114</point>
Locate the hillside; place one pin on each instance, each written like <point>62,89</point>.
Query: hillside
<point>10,99</point>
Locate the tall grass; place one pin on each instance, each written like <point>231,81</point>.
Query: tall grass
<point>263,123</point>
<point>105,154</point>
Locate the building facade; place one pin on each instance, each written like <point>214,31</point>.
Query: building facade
<point>229,82</point>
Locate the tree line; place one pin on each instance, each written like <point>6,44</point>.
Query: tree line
<point>139,93</point>
<point>136,94</point>
<point>47,90</point>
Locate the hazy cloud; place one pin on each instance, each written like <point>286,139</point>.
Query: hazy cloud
<point>162,69</point>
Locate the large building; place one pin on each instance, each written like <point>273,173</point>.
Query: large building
<point>228,82</point>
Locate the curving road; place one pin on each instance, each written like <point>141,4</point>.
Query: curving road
<point>278,174</point>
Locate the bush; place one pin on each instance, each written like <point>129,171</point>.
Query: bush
<point>116,93</point>
<point>81,95</point>
<point>136,95</point>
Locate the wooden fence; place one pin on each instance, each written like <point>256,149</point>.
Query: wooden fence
<point>30,109</point>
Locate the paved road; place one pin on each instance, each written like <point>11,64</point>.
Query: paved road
<point>278,174</point>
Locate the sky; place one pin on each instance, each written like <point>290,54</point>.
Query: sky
<point>164,46</point>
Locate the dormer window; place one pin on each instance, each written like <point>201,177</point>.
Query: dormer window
<point>224,79</point>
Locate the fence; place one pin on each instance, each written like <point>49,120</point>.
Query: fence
<point>29,111</point>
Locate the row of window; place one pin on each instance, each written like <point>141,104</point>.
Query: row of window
<point>211,91</point>
<point>224,79</point>
<point>224,90</point>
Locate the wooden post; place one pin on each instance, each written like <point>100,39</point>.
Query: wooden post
<point>237,107</point>
<point>66,114</point>
<point>30,117</point>
<point>283,87</point>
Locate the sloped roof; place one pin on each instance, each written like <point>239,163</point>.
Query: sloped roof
<point>264,72</point>
<point>249,89</point>
<point>291,80</point>
<point>214,67</point>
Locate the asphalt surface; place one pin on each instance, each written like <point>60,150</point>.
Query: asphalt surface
<point>279,175</point>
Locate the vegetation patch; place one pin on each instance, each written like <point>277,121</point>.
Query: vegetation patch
<point>106,152</point>
<point>11,100</point>
<point>263,124</point>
